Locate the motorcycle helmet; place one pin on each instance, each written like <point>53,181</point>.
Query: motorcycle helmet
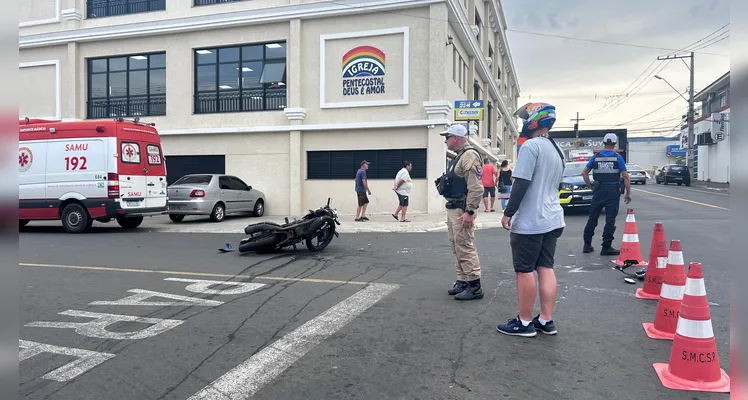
<point>535,116</point>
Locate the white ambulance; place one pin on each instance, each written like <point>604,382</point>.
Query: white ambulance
<point>82,171</point>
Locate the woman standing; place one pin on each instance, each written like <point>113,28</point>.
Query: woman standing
<point>505,183</point>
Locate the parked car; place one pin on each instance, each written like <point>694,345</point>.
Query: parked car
<point>637,174</point>
<point>215,195</point>
<point>574,192</point>
<point>673,173</point>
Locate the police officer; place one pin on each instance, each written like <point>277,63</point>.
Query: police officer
<point>462,188</point>
<point>607,167</point>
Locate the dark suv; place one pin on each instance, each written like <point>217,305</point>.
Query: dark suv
<point>674,174</point>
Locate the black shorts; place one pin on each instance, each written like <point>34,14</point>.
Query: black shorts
<point>402,199</point>
<point>532,251</point>
<point>489,190</point>
<point>362,198</point>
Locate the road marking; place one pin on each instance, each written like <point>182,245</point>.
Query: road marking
<point>249,377</point>
<point>681,199</point>
<point>147,271</point>
<point>140,295</point>
<point>97,328</point>
<point>85,359</point>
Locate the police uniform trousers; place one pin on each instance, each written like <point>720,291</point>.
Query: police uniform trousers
<point>606,196</point>
<point>462,241</point>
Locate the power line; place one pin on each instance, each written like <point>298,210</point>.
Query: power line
<point>651,112</point>
<point>606,42</point>
<point>607,106</point>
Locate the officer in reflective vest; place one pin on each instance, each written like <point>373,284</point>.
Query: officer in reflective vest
<point>607,167</point>
<point>462,188</point>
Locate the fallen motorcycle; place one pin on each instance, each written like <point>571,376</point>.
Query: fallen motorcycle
<point>316,226</point>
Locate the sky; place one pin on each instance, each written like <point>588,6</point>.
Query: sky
<point>612,85</point>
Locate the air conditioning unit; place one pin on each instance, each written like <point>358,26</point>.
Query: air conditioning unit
<point>705,139</point>
<point>475,29</point>
<point>489,61</point>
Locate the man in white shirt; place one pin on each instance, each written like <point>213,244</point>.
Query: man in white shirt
<point>403,186</point>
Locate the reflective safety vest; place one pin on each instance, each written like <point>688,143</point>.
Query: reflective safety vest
<point>606,169</point>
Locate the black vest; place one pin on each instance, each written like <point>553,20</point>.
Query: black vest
<point>606,169</point>
<point>449,184</point>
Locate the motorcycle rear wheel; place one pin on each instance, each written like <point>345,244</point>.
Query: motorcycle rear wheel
<point>327,231</point>
<point>260,243</point>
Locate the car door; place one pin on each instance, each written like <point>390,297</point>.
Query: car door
<point>243,193</point>
<point>227,194</point>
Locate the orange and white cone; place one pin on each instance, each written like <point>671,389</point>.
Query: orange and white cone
<point>671,295</point>
<point>630,248</point>
<point>694,361</point>
<point>658,255</point>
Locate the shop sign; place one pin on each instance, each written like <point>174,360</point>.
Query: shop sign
<point>363,71</point>
<point>469,110</point>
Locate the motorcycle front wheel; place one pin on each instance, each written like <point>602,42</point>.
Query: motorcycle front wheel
<point>259,243</point>
<point>323,236</point>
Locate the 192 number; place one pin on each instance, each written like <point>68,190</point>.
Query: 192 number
<point>75,163</point>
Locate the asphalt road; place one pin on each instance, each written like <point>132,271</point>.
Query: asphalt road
<point>331,326</point>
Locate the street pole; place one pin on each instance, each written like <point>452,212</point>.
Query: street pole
<point>691,114</point>
<point>576,125</point>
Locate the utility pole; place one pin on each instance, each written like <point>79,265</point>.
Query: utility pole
<point>576,125</point>
<point>691,114</point>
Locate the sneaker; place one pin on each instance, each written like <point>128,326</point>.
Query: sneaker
<point>514,327</point>
<point>609,251</point>
<point>364,219</point>
<point>549,328</point>
<point>588,248</point>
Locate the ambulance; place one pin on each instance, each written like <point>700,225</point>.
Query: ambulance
<point>94,170</point>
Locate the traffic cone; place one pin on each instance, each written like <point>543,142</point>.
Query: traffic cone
<point>630,249</point>
<point>671,295</point>
<point>658,255</point>
<point>694,361</point>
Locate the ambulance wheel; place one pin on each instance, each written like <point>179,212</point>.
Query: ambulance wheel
<point>22,223</point>
<point>129,223</point>
<point>75,218</point>
<point>176,217</point>
<point>219,212</point>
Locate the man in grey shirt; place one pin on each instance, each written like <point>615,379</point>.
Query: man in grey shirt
<point>536,220</point>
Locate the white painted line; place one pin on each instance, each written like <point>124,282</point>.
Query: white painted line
<point>140,295</point>
<point>97,328</point>
<point>262,368</point>
<point>203,286</point>
<point>85,359</point>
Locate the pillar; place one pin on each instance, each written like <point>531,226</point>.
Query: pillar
<point>296,115</point>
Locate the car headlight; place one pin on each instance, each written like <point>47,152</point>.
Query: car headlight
<point>568,186</point>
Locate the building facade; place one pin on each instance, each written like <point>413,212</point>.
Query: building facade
<point>652,152</point>
<point>712,132</point>
<point>289,95</point>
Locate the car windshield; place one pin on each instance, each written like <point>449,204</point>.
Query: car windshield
<point>574,169</point>
<point>194,180</point>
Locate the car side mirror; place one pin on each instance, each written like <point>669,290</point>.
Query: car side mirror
<point>249,188</point>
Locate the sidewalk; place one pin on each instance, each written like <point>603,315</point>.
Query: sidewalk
<point>382,223</point>
<point>716,186</point>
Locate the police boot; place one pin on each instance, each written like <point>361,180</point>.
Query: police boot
<point>609,251</point>
<point>588,248</point>
<point>472,292</point>
<point>458,287</point>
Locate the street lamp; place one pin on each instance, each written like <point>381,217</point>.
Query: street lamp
<point>676,90</point>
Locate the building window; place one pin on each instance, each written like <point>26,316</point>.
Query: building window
<point>343,164</point>
<point>127,86</point>
<point>110,8</point>
<point>209,2</point>
<point>476,90</point>
<point>455,65</point>
<point>248,77</point>
<point>480,28</point>
<point>722,99</point>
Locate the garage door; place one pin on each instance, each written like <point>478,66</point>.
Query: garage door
<point>179,166</point>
